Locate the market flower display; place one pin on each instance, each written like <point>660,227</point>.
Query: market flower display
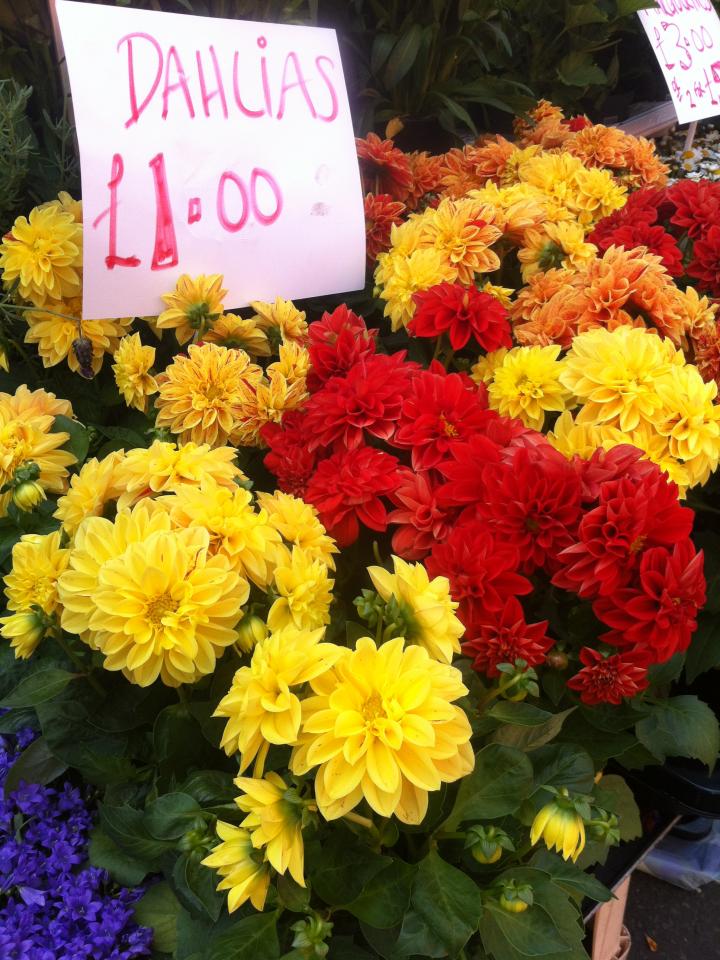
<point>340,610</point>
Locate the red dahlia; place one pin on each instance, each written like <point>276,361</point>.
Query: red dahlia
<point>337,341</point>
<point>658,616</point>
<point>634,515</point>
<point>381,214</point>
<point>641,207</point>
<point>422,522</point>
<point>384,168</point>
<point>621,461</point>
<point>461,312</point>
<point>655,238</point>
<point>578,122</point>
<point>464,470</point>
<point>505,638</point>
<point>437,412</point>
<point>705,263</point>
<point>346,489</point>
<point>608,679</point>
<point>697,205</point>
<point>482,571</point>
<point>289,459</point>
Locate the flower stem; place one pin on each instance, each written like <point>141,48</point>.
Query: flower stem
<point>71,655</point>
<point>361,821</point>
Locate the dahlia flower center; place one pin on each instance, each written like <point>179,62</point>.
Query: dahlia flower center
<point>448,428</point>
<point>638,543</point>
<point>43,590</point>
<point>373,709</point>
<point>14,448</point>
<point>160,607</point>
<point>551,256</point>
<point>530,388</point>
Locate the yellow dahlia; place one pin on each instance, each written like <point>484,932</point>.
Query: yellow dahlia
<point>528,384</point>
<point>503,294</point>
<point>90,491</point>
<point>229,330</point>
<point>294,362</point>
<point>166,468</point>
<point>200,396</point>
<point>37,562</point>
<point>66,204</point>
<point>583,439</point>
<point>690,419</point>
<point>614,374</point>
<point>43,253</point>
<point>555,245</point>
<point>162,608</point>
<point>245,536</point>
<point>298,524</point>
<point>274,821</point>
<point>262,705</point>
<point>304,593</point>
<point>263,402</point>
<point>282,317</point>
<point>426,608</point>
<point>25,404</point>
<point>55,334</point>
<point>383,726</point>
<point>560,826</point>
<point>460,230</point>
<point>399,278</point>
<point>193,306</point>
<point>596,195</point>
<point>132,367</point>
<point>245,875</point>
<point>484,370</point>
<point>32,441</point>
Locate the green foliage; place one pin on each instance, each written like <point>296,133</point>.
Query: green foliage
<point>16,146</point>
<point>681,726</point>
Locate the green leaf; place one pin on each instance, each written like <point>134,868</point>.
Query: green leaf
<point>195,885</point>
<point>104,853</point>
<point>386,896</point>
<point>681,727</point>
<point>522,713</point>
<point>530,737</point>
<point>704,651</point>
<point>457,110</point>
<point>254,938</point>
<point>79,441</point>
<point>626,8</point>
<point>569,876</point>
<point>36,764</point>
<point>447,901</point>
<point>170,816</point>
<point>612,793</point>
<point>124,824</point>
<point>561,765</point>
<point>382,45</point>
<point>529,934</point>
<point>577,69</point>
<point>661,674</point>
<point>159,910</point>
<point>403,55</point>
<point>342,867</point>
<point>502,778</point>
<point>39,687</point>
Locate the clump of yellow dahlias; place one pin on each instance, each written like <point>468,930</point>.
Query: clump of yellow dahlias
<point>43,254</point>
<point>425,607</point>
<point>131,368</point>
<point>166,468</point>
<point>56,328</point>
<point>281,320</point>
<point>31,590</point>
<point>299,525</point>
<point>304,591</point>
<point>91,489</point>
<point>275,822</point>
<point>151,598</point>
<point>245,536</point>
<point>383,727</point>
<point>528,383</point>
<point>244,875</point>
<point>229,330</point>
<point>263,704</point>
<point>201,395</point>
<point>193,306</point>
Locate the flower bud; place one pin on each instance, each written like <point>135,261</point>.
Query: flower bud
<point>486,844</point>
<point>561,825</point>
<point>310,937</point>
<point>24,630</point>
<point>515,897</point>
<point>27,495</point>
<point>250,630</point>
<point>557,660</point>
<point>4,359</point>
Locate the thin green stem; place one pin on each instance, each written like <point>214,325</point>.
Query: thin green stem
<point>71,655</point>
<point>353,817</point>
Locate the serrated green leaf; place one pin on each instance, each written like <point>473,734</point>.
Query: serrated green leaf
<point>531,737</point>
<point>170,816</point>
<point>704,651</point>
<point>681,727</point>
<point>79,441</point>
<point>561,765</point>
<point>343,866</point>
<point>612,793</point>
<point>103,852</point>
<point>386,896</point>
<point>569,876</point>
<point>577,69</point>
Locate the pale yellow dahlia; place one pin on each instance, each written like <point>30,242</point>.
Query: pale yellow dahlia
<point>282,317</point>
<point>383,726</point>
<point>229,330</point>
<point>166,468</point>
<point>201,395</point>
<point>245,875</point>
<point>193,306</point>
<point>690,420</point>
<point>162,608</point>
<point>43,253</point>
<point>304,593</point>
<point>263,703</point>
<point>299,525</point>
<point>294,362</point>
<point>251,543</point>
<point>274,821</point>
<point>57,326</point>
<point>90,491</point>
<point>399,278</point>
<point>132,366</point>
<point>25,404</point>
<point>426,607</point>
<point>528,384</point>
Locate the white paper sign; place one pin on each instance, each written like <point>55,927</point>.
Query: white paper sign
<point>685,36</point>
<point>211,146</point>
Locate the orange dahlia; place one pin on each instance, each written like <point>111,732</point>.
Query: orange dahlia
<point>384,168</point>
<point>381,214</point>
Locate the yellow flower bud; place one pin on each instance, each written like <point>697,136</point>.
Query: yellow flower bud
<point>482,858</point>
<point>24,630</point>
<point>250,631</point>
<point>28,495</point>
<point>561,827</point>
<point>513,906</point>
<point>4,360</point>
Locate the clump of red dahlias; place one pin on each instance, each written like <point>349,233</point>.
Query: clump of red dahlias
<point>381,214</point>
<point>640,234</point>
<point>421,520</point>
<point>696,205</point>
<point>705,263</point>
<point>384,168</point>
<point>609,679</point>
<point>289,458</point>
<point>336,342</point>
<point>461,312</point>
<point>347,490</point>
<point>505,638</point>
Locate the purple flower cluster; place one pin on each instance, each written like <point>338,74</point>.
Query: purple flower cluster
<point>51,908</point>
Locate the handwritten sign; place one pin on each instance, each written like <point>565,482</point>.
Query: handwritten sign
<point>210,146</point>
<point>685,35</point>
